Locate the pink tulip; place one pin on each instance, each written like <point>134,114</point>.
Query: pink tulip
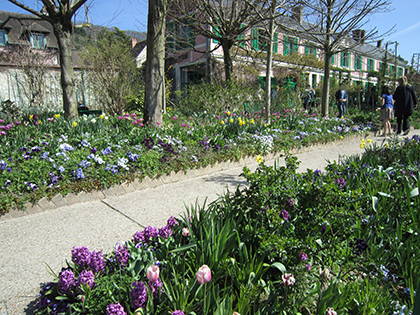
<point>120,117</point>
<point>152,273</point>
<point>134,122</point>
<point>330,311</point>
<point>288,279</point>
<point>3,133</point>
<point>1,121</point>
<point>203,274</point>
<point>183,125</point>
<point>175,118</point>
<point>141,125</point>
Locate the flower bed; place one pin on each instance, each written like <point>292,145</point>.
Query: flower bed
<point>47,154</point>
<point>342,241</point>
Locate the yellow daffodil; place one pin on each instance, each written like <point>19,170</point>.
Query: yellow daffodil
<point>252,121</point>
<point>74,124</point>
<point>31,117</point>
<point>228,113</point>
<point>57,116</point>
<point>362,146</point>
<point>40,122</point>
<point>341,137</point>
<point>386,145</point>
<point>369,141</point>
<point>101,116</point>
<point>259,159</point>
<point>222,122</point>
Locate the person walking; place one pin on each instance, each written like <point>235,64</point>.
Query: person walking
<point>341,99</point>
<point>387,110</point>
<point>405,103</point>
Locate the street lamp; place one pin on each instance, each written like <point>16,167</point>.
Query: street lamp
<point>395,57</point>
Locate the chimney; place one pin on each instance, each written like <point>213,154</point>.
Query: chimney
<point>359,36</point>
<point>379,43</point>
<point>133,42</point>
<point>297,13</point>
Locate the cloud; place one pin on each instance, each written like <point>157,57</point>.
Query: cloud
<point>406,30</point>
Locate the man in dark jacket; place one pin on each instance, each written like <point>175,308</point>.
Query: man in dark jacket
<point>405,103</point>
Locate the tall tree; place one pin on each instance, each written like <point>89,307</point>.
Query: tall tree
<point>229,20</point>
<point>155,62</point>
<point>59,15</point>
<point>330,25</point>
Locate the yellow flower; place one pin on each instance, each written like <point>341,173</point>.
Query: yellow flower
<point>231,120</point>
<point>222,122</point>
<point>252,121</point>
<point>259,159</point>
<point>168,108</point>
<point>31,117</point>
<point>57,116</point>
<point>228,113</point>
<point>40,122</point>
<point>386,145</point>
<point>369,141</point>
<point>362,146</point>
<point>101,116</point>
<point>342,117</point>
<point>341,137</point>
<point>74,124</point>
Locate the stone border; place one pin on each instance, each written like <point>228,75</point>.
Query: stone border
<point>59,201</point>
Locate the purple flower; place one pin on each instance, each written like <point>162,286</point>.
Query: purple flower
<point>138,295</point>
<point>97,261</point>
<point>303,256</point>
<point>283,214</point>
<point>121,254</point>
<point>178,313</point>
<point>80,256</point>
<point>156,288</point>
<point>290,203</point>
<point>115,309</point>
<point>172,222</point>
<point>341,182</point>
<point>66,280</point>
<point>86,277</point>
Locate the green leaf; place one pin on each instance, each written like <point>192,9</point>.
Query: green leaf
<point>375,203</point>
<point>385,195</point>
<point>183,248</point>
<point>279,266</point>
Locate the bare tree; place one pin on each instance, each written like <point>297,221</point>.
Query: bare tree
<point>155,62</point>
<point>229,20</point>
<point>111,68</point>
<point>59,15</point>
<point>329,25</point>
<point>31,73</point>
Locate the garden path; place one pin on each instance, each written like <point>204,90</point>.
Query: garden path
<point>31,242</point>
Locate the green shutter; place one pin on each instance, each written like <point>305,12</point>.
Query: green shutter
<point>348,60</point>
<point>254,38</point>
<point>332,59</point>
<point>241,38</point>
<point>307,49</point>
<point>286,47</point>
<point>170,39</point>
<point>216,31</point>
<point>296,45</point>
<point>191,33</point>
<point>276,43</point>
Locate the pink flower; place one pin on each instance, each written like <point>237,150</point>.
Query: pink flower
<point>183,125</point>
<point>308,266</point>
<point>157,123</point>
<point>185,231</point>
<point>191,118</point>
<point>133,115</point>
<point>330,311</point>
<point>217,117</point>
<point>120,117</point>
<point>2,127</point>
<point>1,121</point>
<point>127,114</point>
<point>35,117</point>
<point>203,274</point>
<point>134,122</point>
<point>17,123</point>
<point>3,133</point>
<point>288,279</point>
<point>50,119</point>
<point>141,125</point>
<point>152,273</point>
<point>174,118</point>
<point>36,123</point>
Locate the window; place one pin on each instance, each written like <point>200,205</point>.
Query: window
<point>357,62</point>
<point>392,69</point>
<point>180,36</point>
<point>370,65</point>
<point>3,37</point>
<point>310,49</point>
<point>345,59</point>
<point>38,40</point>
<point>400,71</point>
<point>290,45</point>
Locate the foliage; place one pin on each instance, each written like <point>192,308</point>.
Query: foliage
<point>343,240</point>
<point>111,65</point>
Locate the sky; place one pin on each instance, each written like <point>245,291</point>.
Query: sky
<point>132,15</point>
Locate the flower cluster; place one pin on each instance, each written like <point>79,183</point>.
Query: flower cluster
<point>115,309</point>
<point>82,257</point>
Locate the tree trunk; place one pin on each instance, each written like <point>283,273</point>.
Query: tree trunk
<point>63,35</point>
<point>155,62</point>
<point>269,66</point>
<point>227,45</point>
<point>326,86</point>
